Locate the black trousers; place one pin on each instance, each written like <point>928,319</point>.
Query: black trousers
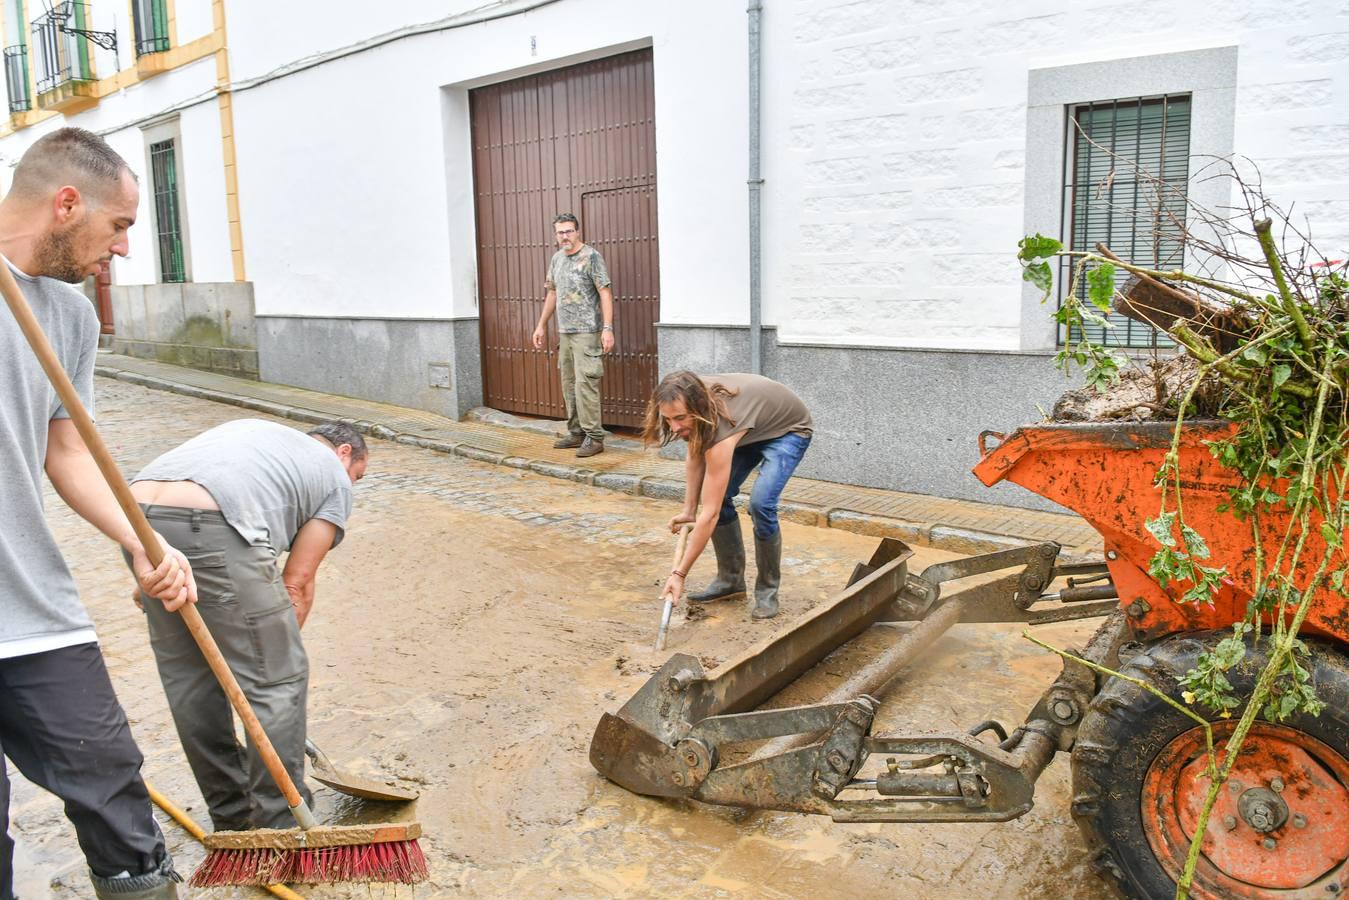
<point>61,725</point>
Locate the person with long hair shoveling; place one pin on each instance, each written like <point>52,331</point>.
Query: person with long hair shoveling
<point>733,423</point>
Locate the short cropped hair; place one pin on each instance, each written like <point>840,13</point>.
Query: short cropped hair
<point>339,433</point>
<point>567,217</point>
<point>69,156</point>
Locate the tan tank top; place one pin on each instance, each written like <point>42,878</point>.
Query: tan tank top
<point>763,409</point>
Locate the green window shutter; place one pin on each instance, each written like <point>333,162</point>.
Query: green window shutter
<point>168,224</point>
<point>83,70</point>
<point>1118,152</point>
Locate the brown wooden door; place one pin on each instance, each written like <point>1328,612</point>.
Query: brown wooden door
<point>579,140</point>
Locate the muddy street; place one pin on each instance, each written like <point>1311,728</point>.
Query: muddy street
<point>465,639</point>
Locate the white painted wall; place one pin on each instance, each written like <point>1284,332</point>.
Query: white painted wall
<point>201,157</point>
<point>895,138</point>
<point>194,19</point>
<point>267,36</point>
<point>354,183</point>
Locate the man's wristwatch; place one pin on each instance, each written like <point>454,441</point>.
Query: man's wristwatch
<point>607,328</point>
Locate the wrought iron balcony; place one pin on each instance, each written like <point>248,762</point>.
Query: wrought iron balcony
<point>16,78</point>
<point>60,42</point>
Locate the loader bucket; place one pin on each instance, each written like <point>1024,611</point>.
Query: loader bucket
<point>635,747</point>
<point>1105,473</point>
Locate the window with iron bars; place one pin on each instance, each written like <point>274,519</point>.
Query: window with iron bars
<point>16,78</point>
<point>61,55</point>
<point>168,223</point>
<point>152,26</point>
<point>1126,170</point>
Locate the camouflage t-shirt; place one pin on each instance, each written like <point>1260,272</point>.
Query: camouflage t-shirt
<point>577,280</point>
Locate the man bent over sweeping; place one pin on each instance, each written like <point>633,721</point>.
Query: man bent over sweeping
<point>233,499</point>
<point>733,424</point>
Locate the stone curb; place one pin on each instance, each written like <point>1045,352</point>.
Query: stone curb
<point>543,427</point>
<point>942,537</point>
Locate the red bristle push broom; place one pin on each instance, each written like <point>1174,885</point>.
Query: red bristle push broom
<point>312,853</point>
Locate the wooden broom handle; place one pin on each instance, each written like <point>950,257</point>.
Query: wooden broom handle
<point>70,399</point>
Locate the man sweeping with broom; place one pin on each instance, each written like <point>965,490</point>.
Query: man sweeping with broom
<point>68,209</point>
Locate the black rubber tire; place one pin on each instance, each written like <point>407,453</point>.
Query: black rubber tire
<point>1126,727</point>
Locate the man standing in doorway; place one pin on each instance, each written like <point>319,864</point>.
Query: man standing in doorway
<point>579,290</point>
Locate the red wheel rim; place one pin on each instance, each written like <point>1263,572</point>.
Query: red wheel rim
<point>1280,827</point>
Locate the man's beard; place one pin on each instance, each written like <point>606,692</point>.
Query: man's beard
<point>55,256</point>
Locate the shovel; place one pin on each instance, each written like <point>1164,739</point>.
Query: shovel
<point>353,785</point>
<point>670,598</point>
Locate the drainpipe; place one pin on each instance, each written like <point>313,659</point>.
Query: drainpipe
<point>755,11</point>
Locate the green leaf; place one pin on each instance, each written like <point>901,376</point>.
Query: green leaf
<point>1038,247</point>
<point>1256,353</point>
<point>1162,529</point>
<point>1101,286</point>
<point>1194,541</point>
<point>1095,318</point>
<point>1162,566</point>
<point>1228,653</point>
<point>1332,537</point>
<point>1040,275</point>
<point>1104,373</point>
<point>1282,372</point>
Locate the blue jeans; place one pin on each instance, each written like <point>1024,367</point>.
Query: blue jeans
<point>780,457</point>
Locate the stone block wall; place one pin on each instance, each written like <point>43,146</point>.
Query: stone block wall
<point>203,325</point>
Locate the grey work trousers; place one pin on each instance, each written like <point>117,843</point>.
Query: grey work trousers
<point>580,361</point>
<point>244,603</point>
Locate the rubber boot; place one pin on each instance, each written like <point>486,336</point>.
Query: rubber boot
<point>729,547</point>
<point>768,563</point>
<point>159,885</point>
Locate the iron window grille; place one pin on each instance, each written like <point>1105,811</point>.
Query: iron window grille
<point>16,78</point>
<point>61,46</point>
<point>168,224</point>
<point>152,26</point>
<point>1125,176</point>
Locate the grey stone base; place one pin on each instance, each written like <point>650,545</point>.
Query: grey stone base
<point>203,325</point>
<point>241,362</point>
<point>430,364</point>
<point>898,419</point>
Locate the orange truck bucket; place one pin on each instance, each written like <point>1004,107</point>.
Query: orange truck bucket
<point>1105,472</point>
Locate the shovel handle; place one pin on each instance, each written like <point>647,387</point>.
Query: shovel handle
<point>70,399</point>
<point>680,544</point>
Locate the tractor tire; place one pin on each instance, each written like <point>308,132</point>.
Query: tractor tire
<point>1280,827</point>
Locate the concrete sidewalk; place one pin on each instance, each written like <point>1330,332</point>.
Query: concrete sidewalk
<point>959,525</point>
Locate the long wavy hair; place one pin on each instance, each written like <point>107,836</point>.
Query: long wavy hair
<point>706,403</point>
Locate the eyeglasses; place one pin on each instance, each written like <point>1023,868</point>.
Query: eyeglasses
<point>566,231</point>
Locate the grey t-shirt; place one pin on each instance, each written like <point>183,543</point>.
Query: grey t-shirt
<point>762,408</point>
<point>38,599</point>
<point>577,279</point>
<point>267,478</point>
